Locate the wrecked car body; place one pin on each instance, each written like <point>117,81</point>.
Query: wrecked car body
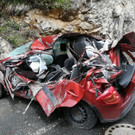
<point>90,77</point>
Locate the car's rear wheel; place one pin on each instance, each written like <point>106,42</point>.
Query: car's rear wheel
<point>81,116</point>
<point>2,93</point>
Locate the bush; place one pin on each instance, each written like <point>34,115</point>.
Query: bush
<point>54,3</point>
<point>1,13</point>
<point>13,25</point>
<point>16,40</point>
<point>46,4</point>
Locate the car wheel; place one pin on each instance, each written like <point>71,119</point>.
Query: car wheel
<point>2,93</point>
<point>81,116</point>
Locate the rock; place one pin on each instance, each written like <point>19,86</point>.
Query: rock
<point>17,9</point>
<point>71,12</point>
<point>108,19</point>
<point>48,26</point>
<point>40,20</point>
<point>85,26</point>
<point>69,28</point>
<point>87,6</point>
<point>5,48</point>
<point>88,17</point>
<point>32,34</point>
<point>81,17</point>
<point>117,11</point>
<point>75,5</point>
<point>27,20</point>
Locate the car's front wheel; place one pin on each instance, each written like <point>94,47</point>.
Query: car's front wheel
<point>2,93</point>
<point>81,116</point>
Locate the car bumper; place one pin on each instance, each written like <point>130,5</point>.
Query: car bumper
<point>120,111</point>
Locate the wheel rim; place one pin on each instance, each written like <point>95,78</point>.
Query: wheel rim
<point>78,114</point>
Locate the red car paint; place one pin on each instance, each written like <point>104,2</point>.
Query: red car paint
<point>109,104</point>
<point>44,42</point>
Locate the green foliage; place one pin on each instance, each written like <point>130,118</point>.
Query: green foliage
<point>16,40</point>
<point>46,4</point>
<point>3,29</point>
<point>8,25</point>
<point>49,4</point>
<point>14,1</point>
<point>1,13</point>
<point>10,31</point>
<point>13,25</point>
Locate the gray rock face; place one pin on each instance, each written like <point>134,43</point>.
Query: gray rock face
<point>5,48</point>
<point>110,19</point>
<point>18,9</point>
<point>105,18</point>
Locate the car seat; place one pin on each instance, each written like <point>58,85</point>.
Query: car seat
<point>82,42</point>
<point>127,76</point>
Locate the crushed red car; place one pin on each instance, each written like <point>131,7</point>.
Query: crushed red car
<point>90,78</point>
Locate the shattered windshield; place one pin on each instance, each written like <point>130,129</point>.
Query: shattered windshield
<point>22,49</point>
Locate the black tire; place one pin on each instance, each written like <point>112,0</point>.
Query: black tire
<point>1,91</point>
<point>81,116</point>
